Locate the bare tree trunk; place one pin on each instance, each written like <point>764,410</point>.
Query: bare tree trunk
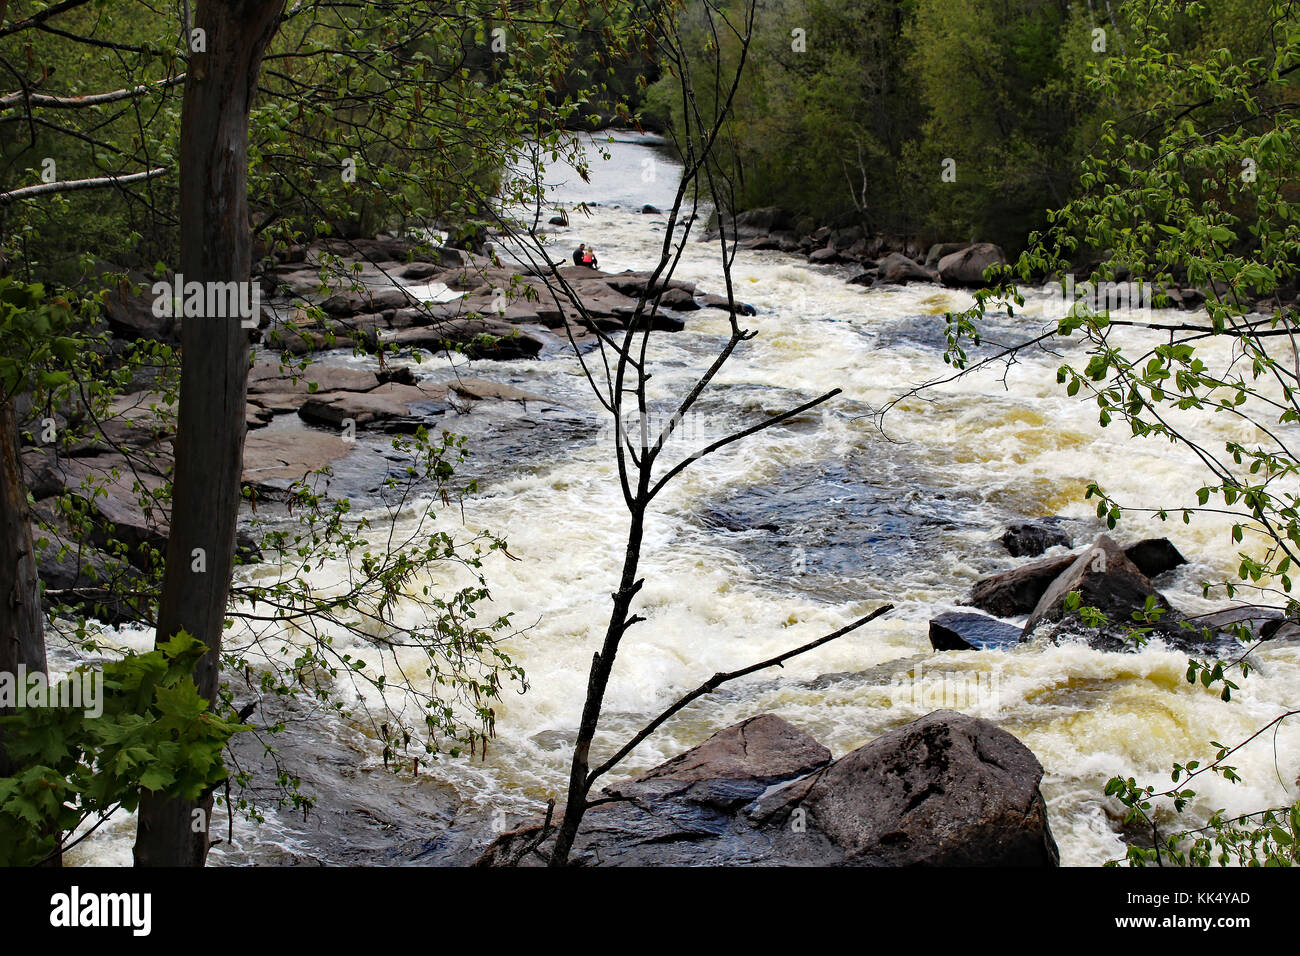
<point>22,625</point>
<point>215,247</point>
<point>602,664</point>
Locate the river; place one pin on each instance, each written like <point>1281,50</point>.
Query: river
<point>800,529</point>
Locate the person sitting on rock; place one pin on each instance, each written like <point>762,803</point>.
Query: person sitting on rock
<point>579,254</point>
<point>589,258</point>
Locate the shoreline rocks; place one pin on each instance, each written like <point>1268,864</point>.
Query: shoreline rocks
<point>945,790</point>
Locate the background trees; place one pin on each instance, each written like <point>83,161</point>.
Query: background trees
<point>1196,185</point>
<point>849,112</point>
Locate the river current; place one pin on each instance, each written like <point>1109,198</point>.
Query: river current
<point>800,529</point>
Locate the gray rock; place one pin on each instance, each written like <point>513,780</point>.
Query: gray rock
<point>939,250</point>
<point>1155,556</point>
<point>419,270</point>
<point>966,268</point>
<point>712,301</point>
<point>897,268</point>
<point>946,790</point>
<point>357,302</point>
<point>382,404</point>
<point>1107,580</point>
<point>679,300</point>
<point>1019,590</point>
<point>1032,538</point>
<point>130,315</point>
<point>960,631</point>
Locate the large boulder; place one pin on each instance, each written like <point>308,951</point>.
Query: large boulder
<point>943,790</point>
<point>966,268</point>
<point>129,311</point>
<point>939,250</point>
<point>750,223</point>
<point>898,268</point>
<point>1107,580</point>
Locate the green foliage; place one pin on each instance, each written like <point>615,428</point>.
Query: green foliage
<point>1197,185</point>
<point>33,339</point>
<point>154,733</point>
<point>851,122</point>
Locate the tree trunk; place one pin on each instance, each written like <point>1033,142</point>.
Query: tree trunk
<point>215,247</point>
<point>22,624</point>
<point>601,667</point>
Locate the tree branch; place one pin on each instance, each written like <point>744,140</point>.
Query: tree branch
<point>717,680</point>
<point>92,99</point>
<point>71,185</point>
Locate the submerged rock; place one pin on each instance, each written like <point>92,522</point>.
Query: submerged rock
<point>944,790</point>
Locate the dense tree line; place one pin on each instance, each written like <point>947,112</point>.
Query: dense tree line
<point>944,120</point>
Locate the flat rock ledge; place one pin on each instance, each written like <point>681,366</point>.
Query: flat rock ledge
<point>944,790</point>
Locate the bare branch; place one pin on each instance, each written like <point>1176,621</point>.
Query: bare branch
<point>717,680</point>
<point>43,15</point>
<point>93,99</point>
<point>71,185</point>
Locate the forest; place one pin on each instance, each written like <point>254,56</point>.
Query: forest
<point>900,473</point>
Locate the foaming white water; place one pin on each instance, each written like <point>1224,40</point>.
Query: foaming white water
<point>922,506</point>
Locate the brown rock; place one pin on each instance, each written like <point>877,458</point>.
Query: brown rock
<point>764,748</point>
<point>1105,579</point>
<point>480,388</point>
<point>385,402</point>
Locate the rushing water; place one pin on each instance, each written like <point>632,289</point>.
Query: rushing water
<point>799,529</point>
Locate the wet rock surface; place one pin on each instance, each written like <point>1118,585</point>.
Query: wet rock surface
<point>961,631</point>
<point>944,790</point>
<point>1032,538</point>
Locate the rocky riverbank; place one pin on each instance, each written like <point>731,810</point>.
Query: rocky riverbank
<point>399,299</point>
<point>892,260</point>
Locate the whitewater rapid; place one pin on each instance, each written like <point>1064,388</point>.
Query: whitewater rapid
<point>798,530</point>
